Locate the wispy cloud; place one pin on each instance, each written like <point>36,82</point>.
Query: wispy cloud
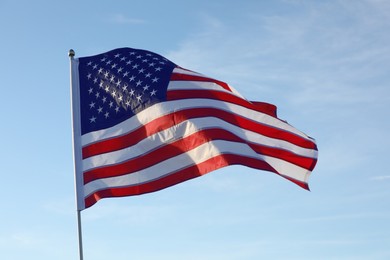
<point>123,19</point>
<point>60,206</point>
<point>327,61</point>
<point>146,214</point>
<point>23,240</point>
<point>343,217</point>
<point>381,178</point>
<point>319,58</point>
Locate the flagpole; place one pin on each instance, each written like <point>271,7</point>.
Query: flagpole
<point>75,109</point>
<point>80,237</point>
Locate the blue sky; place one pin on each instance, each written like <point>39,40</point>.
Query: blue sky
<point>325,64</point>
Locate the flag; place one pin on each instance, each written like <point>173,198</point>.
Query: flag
<point>143,123</point>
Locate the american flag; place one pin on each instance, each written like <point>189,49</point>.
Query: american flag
<point>147,124</point>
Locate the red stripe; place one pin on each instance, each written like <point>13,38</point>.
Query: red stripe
<point>129,139</point>
<point>256,106</point>
<point>184,77</point>
<point>259,106</point>
<point>209,94</point>
<point>184,175</point>
<point>177,117</point>
<point>222,96</point>
<point>172,179</point>
<point>252,126</point>
<point>186,144</point>
<point>266,108</point>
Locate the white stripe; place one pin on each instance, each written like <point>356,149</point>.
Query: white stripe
<point>183,130</point>
<point>196,85</point>
<point>187,72</point>
<point>181,71</point>
<point>195,156</point>
<point>288,169</point>
<point>236,92</point>
<point>164,108</point>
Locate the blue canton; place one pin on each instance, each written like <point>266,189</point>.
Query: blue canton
<point>118,84</point>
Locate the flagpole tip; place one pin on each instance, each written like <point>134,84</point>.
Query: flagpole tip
<point>71,53</point>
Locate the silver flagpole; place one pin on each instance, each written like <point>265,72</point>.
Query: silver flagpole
<point>76,128</point>
<point>80,234</point>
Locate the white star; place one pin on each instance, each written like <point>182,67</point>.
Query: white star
<point>108,62</point>
<point>139,57</point>
<point>95,66</point>
<point>89,63</point>
<point>104,99</point>
<point>124,88</point>
<point>129,62</point>
<point>123,58</point>
<point>139,98</point>
<point>117,55</point>
<point>113,93</point>
<point>92,105</point>
<point>111,104</point>
<point>89,75</point>
<point>100,71</point>
<point>106,115</point>
<point>113,66</point>
<point>125,74</point>
<point>131,92</point>
<point>120,70</point>
<point>153,92</point>
<point>120,98</point>
<point>90,90</point>
<point>152,64</point>
<point>158,69</point>
<point>135,66</point>
<point>104,59</point>
<point>146,87</point>
<point>106,74</point>
<point>107,89</point>
<point>144,60</point>
<point>118,83</point>
<point>128,103</point>
<point>139,82</point>
<point>141,71</point>
<point>95,80</point>
<point>117,109</point>
<point>148,75</point>
<point>132,78</point>
<point>100,110</point>
<point>154,80</point>
<point>97,95</point>
<point>92,119</point>
<point>132,53</point>
<point>112,78</point>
